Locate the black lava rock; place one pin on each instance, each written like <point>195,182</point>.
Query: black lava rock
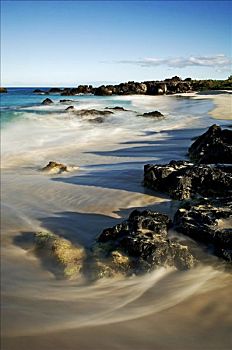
<point>214,146</point>
<point>154,114</point>
<point>47,102</point>
<point>209,222</point>
<point>184,180</point>
<point>144,239</point>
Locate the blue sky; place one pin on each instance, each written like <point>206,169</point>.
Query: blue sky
<point>49,43</point>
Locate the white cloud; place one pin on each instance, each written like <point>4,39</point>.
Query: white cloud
<point>218,61</point>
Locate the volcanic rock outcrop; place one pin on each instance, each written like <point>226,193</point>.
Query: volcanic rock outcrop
<point>184,180</point>
<point>214,146</point>
<point>143,239</point>
<point>209,222</point>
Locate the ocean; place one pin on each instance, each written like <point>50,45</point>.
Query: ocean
<point>162,310</point>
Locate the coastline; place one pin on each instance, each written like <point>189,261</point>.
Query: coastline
<point>78,205</point>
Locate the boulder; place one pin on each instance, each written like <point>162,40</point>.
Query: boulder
<point>143,244</point>
<point>153,114</point>
<point>55,168</point>
<point>184,180</point>
<point>214,146</point>
<point>3,90</point>
<point>47,102</point>
<point>209,222</point>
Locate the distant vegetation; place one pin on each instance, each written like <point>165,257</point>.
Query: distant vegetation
<point>199,85</point>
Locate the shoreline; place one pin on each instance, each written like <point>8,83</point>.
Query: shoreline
<point>78,206</point>
<point>222,109</point>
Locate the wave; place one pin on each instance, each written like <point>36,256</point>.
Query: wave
<point>56,306</point>
<point>39,132</point>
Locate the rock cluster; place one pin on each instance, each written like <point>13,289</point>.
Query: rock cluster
<point>3,90</point>
<point>142,242</point>
<point>168,86</point>
<point>143,239</point>
<point>137,245</point>
<point>129,88</point>
<point>208,220</point>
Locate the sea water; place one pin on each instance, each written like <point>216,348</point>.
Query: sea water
<point>165,309</point>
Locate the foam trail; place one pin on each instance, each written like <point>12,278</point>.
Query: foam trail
<point>106,302</point>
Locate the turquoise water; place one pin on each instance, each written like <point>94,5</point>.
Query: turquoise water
<point>16,102</point>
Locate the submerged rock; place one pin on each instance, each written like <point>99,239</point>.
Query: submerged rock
<point>92,112</point>
<point>40,92</point>
<point>66,101</point>
<point>141,244</point>
<point>68,256</point>
<point>117,108</point>
<point>153,114</point>
<point>47,102</point>
<point>97,120</point>
<point>209,222</point>
<point>184,180</point>
<point>214,146</point>
<point>55,168</point>
<point>70,108</point>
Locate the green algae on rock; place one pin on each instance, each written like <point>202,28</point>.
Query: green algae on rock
<point>69,257</point>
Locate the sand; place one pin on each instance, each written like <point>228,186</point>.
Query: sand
<point>222,103</point>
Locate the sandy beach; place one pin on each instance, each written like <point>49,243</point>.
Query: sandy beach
<point>222,103</point>
<point>41,311</point>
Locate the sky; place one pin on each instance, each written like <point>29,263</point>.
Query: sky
<point>66,43</point>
